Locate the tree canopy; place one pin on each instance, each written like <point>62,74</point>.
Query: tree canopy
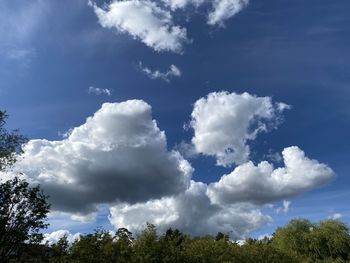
<point>298,241</point>
<point>23,209</point>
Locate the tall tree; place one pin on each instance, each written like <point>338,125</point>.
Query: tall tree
<point>23,209</point>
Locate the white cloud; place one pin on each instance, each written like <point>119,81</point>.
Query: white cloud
<point>176,4</point>
<point>231,205</point>
<point>266,235</point>
<point>118,161</point>
<point>156,74</point>
<point>336,216</point>
<point>224,122</point>
<point>54,237</point>
<point>143,20</point>
<point>66,133</point>
<point>284,208</point>
<point>98,91</point>
<point>225,9</point>
<point>191,212</point>
<point>262,184</point>
<point>84,218</point>
<point>119,154</point>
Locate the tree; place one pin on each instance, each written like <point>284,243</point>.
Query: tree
<point>10,143</point>
<point>23,209</point>
<point>60,250</point>
<point>294,238</point>
<point>146,247</point>
<point>330,240</point>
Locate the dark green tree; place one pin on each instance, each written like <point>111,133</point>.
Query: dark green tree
<point>146,247</point>
<point>330,240</point>
<point>23,209</point>
<point>60,250</point>
<point>97,247</point>
<point>294,239</point>
<point>172,246</point>
<point>10,143</point>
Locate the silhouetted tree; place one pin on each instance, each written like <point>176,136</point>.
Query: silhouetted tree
<point>10,143</point>
<point>23,209</point>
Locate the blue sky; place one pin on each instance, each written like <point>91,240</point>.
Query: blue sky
<point>295,52</point>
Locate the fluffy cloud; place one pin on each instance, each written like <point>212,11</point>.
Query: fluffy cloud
<point>143,20</point>
<point>52,238</point>
<point>224,122</point>
<point>176,4</point>
<point>233,204</point>
<point>119,154</point>
<point>263,184</point>
<point>118,161</point>
<point>172,72</point>
<point>225,9</point>
<point>98,91</point>
<point>191,212</point>
<point>152,21</point>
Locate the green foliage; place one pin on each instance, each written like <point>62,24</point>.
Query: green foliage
<point>294,238</point>
<point>172,246</point>
<point>299,241</point>
<point>23,210</point>
<point>10,143</point>
<point>146,247</point>
<point>328,241</point>
<point>60,250</point>
<point>97,247</point>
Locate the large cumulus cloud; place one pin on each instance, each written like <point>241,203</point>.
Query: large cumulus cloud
<point>119,160</point>
<point>231,205</point>
<point>223,123</point>
<point>191,212</point>
<point>119,154</point>
<point>262,183</point>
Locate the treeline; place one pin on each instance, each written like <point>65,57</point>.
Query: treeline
<point>299,241</point>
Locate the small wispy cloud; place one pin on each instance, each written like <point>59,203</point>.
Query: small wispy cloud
<point>65,134</point>
<point>173,71</point>
<point>284,208</point>
<point>98,91</point>
<point>20,56</point>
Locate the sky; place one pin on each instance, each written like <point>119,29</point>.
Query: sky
<point>223,115</point>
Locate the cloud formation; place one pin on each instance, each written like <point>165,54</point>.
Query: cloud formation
<point>191,212</point>
<point>284,208</point>
<point>223,123</point>
<point>143,20</point>
<point>152,22</point>
<point>225,9</point>
<point>231,205</point>
<point>262,184</point>
<point>98,91</point>
<point>178,4</point>
<point>118,154</point>
<point>118,160</point>
<point>54,237</point>
<point>156,74</point>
